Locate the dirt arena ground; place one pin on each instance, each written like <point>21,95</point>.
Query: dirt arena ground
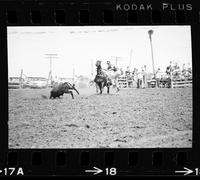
<point>132,118</point>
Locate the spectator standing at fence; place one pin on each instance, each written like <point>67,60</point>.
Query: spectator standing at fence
<point>176,70</point>
<point>176,66</point>
<point>144,76</point>
<point>183,67</point>
<point>139,79</point>
<point>133,73</point>
<point>158,77</point>
<point>128,72</point>
<point>169,68</point>
<point>189,68</point>
<point>169,71</point>
<point>135,76</point>
<point>183,72</point>
<point>189,71</point>
<point>128,76</point>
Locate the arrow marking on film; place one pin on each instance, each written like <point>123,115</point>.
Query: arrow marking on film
<point>1,171</point>
<point>187,171</point>
<point>95,170</point>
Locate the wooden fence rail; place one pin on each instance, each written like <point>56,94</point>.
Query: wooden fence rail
<point>122,82</point>
<point>183,83</point>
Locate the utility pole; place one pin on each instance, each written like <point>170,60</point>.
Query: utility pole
<point>51,57</point>
<point>150,32</point>
<point>117,58</point>
<point>131,52</point>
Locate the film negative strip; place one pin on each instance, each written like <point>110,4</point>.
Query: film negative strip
<point>56,59</point>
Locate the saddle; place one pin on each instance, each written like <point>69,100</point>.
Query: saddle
<point>99,78</point>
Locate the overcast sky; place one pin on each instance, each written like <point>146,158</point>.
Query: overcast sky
<point>77,47</point>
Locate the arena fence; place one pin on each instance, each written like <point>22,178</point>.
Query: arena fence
<point>181,83</point>
<point>176,83</point>
<point>122,82</point>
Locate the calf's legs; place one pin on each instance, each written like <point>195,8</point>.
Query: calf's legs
<point>67,92</point>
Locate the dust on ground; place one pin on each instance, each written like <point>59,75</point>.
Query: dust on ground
<point>132,118</point>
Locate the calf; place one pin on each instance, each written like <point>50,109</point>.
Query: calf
<point>62,88</point>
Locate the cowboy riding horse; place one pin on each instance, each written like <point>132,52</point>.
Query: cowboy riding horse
<point>101,79</point>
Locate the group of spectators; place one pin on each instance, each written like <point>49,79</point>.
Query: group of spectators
<point>173,70</point>
<point>140,77</point>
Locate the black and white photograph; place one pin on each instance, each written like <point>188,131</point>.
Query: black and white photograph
<point>99,87</point>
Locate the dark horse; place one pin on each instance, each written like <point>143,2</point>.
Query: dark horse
<point>101,79</point>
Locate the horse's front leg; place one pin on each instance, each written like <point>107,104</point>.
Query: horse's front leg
<point>102,86</point>
<point>97,88</point>
<point>108,89</point>
<point>116,83</point>
<point>100,89</point>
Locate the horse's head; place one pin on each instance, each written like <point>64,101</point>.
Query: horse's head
<point>98,63</point>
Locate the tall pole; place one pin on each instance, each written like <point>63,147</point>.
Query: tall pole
<point>130,58</point>
<point>150,32</point>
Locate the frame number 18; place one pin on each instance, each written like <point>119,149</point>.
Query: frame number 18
<point>111,171</point>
